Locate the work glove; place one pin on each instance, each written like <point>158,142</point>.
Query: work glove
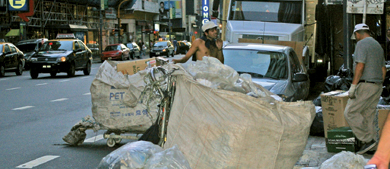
<point>351,91</point>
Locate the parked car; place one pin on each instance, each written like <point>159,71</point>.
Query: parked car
<point>115,52</point>
<point>183,47</point>
<point>11,59</point>
<point>29,48</point>
<point>162,48</point>
<point>61,55</point>
<point>274,67</point>
<point>134,50</point>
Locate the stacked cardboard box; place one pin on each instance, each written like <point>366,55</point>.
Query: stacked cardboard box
<point>333,106</point>
<point>383,111</point>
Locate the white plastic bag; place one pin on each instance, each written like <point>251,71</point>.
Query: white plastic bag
<point>345,160</point>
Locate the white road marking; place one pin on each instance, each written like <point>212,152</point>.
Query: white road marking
<point>58,100</point>
<point>13,88</point>
<point>38,161</point>
<point>3,79</point>
<point>64,80</point>
<point>94,139</point>
<point>85,94</point>
<point>22,108</point>
<point>84,77</point>
<point>41,84</point>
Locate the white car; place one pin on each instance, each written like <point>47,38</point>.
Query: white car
<point>274,67</point>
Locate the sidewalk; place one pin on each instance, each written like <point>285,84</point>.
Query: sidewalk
<point>315,154</point>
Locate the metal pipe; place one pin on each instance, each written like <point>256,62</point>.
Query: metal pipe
<point>101,31</point>
<point>364,10</point>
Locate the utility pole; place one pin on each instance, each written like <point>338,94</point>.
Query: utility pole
<point>101,26</point>
<point>169,20</point>
<point>119,20</point>
<point>347,25</point>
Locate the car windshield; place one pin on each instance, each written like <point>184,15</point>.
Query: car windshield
<point>57,45</point>
<point>27,47</point>
<point>1,47</point>
<point>262,10</point>
<point>129,45</point>
<point>160,44</point>
<point>259,64</point>
<point>112,48</point>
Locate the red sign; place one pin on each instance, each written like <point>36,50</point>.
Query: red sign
<point>29,13</point>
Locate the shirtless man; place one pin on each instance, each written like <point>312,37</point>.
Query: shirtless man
<point>205,46</point>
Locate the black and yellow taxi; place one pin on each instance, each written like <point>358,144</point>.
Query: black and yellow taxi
<point>64,54</point>
<point>11,59</point>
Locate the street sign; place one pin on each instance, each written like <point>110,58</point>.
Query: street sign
<point>357,6</point>
<point>18,5</point>
<point>205,11</point>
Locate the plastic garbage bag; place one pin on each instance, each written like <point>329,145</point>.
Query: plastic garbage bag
<point>317,101</point>
<point>384,101</point>
<point>317,127</point>
<point>329,83</point>
<point>344,160</point>
<point>131,155</point>
<point>171,158</point>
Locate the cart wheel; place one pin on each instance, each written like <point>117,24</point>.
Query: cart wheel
<point>110,142</point>
<point>118,140</point>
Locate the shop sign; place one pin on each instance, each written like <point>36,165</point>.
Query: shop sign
<point>110,13</point>
<point>205,11</point>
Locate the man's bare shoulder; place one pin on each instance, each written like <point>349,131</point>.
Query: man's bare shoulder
<point>198,41</point>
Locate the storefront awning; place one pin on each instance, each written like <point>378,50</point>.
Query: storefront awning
<point>78,27</point>
<point>13,32</point>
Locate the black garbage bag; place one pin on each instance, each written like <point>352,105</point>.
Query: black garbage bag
<point>317,127</point>
<point>384,101</point>
<point>317,101</point>
<point>343,83</point>
<point>330,83</point>
<point>151,134</point>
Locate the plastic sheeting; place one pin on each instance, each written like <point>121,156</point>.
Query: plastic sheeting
<point>223,129</point>
<point>143,154</point>
<point>344,160</point>
<point>115,103</point>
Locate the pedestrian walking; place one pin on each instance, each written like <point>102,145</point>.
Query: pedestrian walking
<point>175,44</point>
<point>366,87</point>
<point>207,45</point>
<point>141,48</point>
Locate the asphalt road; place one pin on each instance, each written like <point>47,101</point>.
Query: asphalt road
<point>36,113</point>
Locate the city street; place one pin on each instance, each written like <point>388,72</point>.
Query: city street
<point>36,114</point>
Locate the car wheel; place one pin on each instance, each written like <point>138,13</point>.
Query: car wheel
<point>132,56</point>
<point>87,69</point>
<point>53,74</point>
<point>168,54</point>
<point>71,70</point>
<point>173,54</point>
<point>19,71</point>
<point>34,73</point>
<point>2,71</point>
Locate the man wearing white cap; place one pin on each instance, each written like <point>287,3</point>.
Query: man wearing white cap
<point>366,87</point>
<point>207,45</point>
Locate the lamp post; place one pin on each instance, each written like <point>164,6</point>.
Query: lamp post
<point>169,20</point>
<point>101,27</point>
<point>119,20</point>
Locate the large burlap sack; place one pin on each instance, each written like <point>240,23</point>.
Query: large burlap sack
<point>224,129</point>
<point>115,103</point>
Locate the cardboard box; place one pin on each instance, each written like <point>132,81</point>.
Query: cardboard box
<point>333,106</point>
<point>382,116</point>
<point>341,139</point>
<point>132,67</point>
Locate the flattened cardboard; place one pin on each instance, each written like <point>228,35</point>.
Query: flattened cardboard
<point>132,67</point>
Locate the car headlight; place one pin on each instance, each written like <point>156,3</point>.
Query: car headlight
<point>34,59</point>
<point>164,50</point>
<point>61,59</point>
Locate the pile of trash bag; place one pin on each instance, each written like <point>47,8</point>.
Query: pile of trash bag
<point>341,81</point>
<point>146,155</point>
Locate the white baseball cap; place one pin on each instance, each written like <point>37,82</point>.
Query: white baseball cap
<point>360,26</point>
<point>208,25</point>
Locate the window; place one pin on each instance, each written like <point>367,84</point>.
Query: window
<point>81,45</point>
<point>76,45</point>
<point>6,49</point>
<point>12,48</point>
<point>294,62</point>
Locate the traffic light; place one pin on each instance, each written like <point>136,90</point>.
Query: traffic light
<point>196,32</point>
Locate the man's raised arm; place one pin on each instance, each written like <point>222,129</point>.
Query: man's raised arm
<point>190,52</point>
